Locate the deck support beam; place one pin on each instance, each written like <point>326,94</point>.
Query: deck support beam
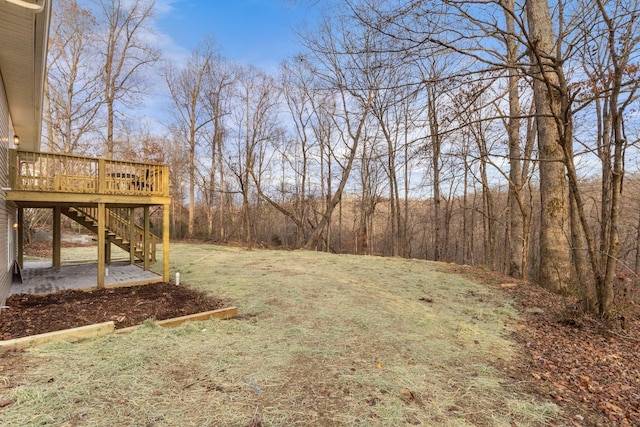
<point>165,242</point>
<point>101,243</point>
<point>57,237</point>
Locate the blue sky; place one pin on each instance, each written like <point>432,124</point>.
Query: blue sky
<point>258,32</point>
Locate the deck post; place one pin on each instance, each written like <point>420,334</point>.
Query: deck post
<point>146,238</point>
<point>21,237</point>
<point>165,242</point>
<point>102,176</point>
<point>132,236</point>
<point>101,242</point>
<point>107,240</point>
<point>57,237</point>
<point>107,251</point>
<point>165,180</point>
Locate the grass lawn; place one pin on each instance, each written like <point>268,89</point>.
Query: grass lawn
<point>320,339</point>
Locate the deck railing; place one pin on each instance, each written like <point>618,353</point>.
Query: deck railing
<point>49,172</point>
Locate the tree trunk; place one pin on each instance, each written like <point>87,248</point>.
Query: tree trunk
<point>435,150</point>
<point>636,264</point>
<point>584,275</point>
<point>466,239</point>
<point>555,263</point>
<point>192,185</point>
<point>516,230</point>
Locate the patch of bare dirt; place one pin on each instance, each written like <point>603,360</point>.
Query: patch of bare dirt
<point>590,369</point>
<point>127,306</point>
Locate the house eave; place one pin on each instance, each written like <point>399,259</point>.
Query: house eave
<point>24,35</point>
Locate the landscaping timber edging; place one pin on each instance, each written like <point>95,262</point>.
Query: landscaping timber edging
<point>99,329</point>
<point>221,313</point>
<point>71,335</point>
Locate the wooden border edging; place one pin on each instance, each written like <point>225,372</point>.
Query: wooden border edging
<point>70,335</point>
<point>99,329</point>
<point>221,313</point>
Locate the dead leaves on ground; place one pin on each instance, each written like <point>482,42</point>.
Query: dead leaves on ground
<point>592,374</point>
<point>588,370</point>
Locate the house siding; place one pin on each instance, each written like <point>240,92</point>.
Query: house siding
<point>6,210</point>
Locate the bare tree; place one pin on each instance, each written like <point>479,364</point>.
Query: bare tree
<point>393,110</point>
<point>611,37</point>
<point>257,126</point>
<point>126,54</point>
<point>621,23</point>
<point>550,101</point>
<point>73,91</point>
<point>186,87</point>
<point>468,29</point>
<point>178,176</point>
<point>217,99</point>
<point>325,133</point>
<point>295,156</point>
<point>341,57</point>
<point>517,242</point>
<point>433,95</point>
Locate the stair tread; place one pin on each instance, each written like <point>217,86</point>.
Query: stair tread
<point>91,223</point>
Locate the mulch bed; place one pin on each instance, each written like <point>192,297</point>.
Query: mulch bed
<point>590,369</point>
<point>127,306</point>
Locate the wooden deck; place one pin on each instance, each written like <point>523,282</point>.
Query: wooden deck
<point>41,178</point>
<point>99,194</point>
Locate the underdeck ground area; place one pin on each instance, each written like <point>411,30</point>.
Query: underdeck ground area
<point>39,277</point>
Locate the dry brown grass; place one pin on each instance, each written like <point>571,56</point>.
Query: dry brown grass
<point>321,340</point>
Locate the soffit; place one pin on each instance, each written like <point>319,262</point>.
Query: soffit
<point>23,48</point>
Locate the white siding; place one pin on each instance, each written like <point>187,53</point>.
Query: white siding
<point>5,209</point>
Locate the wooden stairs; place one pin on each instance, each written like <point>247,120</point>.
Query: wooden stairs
<point>117,229</point>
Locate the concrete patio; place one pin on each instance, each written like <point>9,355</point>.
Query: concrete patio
<point>39,277</point>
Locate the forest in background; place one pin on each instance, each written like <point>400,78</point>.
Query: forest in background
<point>502,134</point>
